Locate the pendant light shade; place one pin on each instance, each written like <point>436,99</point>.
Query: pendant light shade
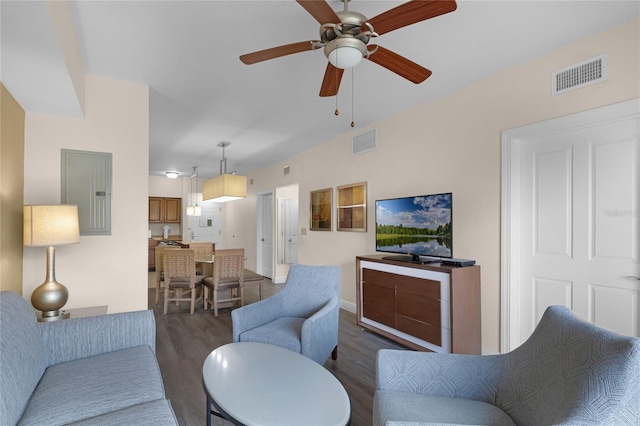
<point>226,187</point>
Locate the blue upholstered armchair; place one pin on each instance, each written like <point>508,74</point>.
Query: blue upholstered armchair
<point>302,317</point>
<point>568,372</point>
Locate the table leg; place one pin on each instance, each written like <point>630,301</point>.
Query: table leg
<point>208,411</point>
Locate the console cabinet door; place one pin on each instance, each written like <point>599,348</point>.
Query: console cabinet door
<point>418,308</point>
<point>378,296</point>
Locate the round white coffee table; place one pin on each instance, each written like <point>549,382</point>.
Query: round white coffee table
<point>258,384</point>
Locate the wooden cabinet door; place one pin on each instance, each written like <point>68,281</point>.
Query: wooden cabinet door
<point>378,296</point>
<point>172,208</point>
<point>156,207</point>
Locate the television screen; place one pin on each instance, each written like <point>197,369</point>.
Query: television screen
<point>417,226</point>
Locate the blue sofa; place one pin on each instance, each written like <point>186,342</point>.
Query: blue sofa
<point>569,372</point>
<point>86,371</point>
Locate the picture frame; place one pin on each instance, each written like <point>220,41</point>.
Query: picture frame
<point>321,205</point>
<point>352,207</point>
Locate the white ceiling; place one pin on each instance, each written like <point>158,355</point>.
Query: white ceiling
<point>201,94</point>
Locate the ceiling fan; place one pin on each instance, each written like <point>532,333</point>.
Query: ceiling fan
<point>345,37</point>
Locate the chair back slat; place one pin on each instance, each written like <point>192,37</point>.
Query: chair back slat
<point>179,264</point>
<point>202,249</point>
<point>228,263</point>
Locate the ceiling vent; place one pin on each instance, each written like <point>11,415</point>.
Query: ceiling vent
<point>364,142</point>
<point>579,75</point>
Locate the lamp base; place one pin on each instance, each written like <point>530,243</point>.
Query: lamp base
<point>62,315</point>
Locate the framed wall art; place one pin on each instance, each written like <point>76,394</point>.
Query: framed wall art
<point>321,207</point>
<point>352,207</point>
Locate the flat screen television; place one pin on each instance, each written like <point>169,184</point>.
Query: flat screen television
<point>415,226</point>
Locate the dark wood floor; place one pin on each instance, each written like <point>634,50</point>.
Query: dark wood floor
<point>184,341</point>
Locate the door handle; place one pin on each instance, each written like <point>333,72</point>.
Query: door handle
<point>632,277</point>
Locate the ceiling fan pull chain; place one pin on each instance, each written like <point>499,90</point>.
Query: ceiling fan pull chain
<point>337,83</point>
<point>353,124</point>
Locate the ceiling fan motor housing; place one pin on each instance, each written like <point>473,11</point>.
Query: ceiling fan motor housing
<point>346,43</point>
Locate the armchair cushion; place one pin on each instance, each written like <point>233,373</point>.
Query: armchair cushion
<point>284,332</point>
<point>393,406</point>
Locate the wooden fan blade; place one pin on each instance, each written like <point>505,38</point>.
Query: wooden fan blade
<point>410,13</point>
<point>399,65</point>
<point>320,10</point>
<point>276,52</point>
<point>331,80</point>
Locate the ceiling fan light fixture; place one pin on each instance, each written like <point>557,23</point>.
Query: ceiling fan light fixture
<point>345,52</point>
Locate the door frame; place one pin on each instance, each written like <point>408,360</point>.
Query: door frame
<point>512,141</point>
<point>259,221</point>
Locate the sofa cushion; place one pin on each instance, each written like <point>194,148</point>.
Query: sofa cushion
<point>22,357</point>
<point>88,387</point>
<point>392,407</point>
<point>284,332</point>
<point>156,413</point>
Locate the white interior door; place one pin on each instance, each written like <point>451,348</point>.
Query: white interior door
<point>205,227</point>
<point>291,232</point>
<point>574,241</point>
<point>265,235</point>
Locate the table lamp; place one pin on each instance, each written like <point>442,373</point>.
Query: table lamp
<point>46,226</point>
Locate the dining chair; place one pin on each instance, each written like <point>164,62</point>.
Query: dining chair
<point>203,250</point>
<point>179,276</point>
<point>228,275</point>
<point>159,254</point>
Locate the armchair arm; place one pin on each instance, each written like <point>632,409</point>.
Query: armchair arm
<point>473,377</point>
<point>84,337</point>
<point>320,332</point>
<point>255,315</point>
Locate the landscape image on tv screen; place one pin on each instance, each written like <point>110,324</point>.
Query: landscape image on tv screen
<point>415,225</point>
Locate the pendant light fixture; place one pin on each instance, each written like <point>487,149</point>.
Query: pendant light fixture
<point>226,187</point>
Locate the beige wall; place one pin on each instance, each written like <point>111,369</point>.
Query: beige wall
<point>99,270</point>
<point>11,195</point>
<point>450,144</point>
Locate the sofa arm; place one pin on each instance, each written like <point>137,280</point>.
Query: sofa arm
<point>255,315</point>
<point>319,333</point>
<point>473,377</point>
<point>77,338</point>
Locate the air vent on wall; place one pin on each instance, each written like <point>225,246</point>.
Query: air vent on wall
<point>364,142</point>
<point>579,75</point>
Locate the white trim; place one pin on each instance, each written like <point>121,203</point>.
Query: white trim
<point>348,306</point>
<point>512,140</point>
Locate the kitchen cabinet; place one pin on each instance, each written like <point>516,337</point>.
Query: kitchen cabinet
<point>165,210</point>
<point>152,254</point>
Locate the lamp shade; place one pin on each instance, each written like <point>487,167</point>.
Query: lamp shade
<point>50,225</point>
<point>225,188</point>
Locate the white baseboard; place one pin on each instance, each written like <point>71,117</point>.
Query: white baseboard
<point>348,306</point>
<point>279,280</point>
